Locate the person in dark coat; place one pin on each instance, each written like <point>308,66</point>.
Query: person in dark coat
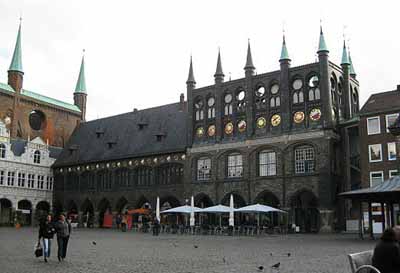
<point>386,256</point>
<point>63,228</point>
<point>46,233</point>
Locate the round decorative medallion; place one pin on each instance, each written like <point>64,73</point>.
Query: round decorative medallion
<point>211,130</point>
<point>274,89</point>
<point>261,122</point>
<point>275,120</point>
<point>298,117</point>
<point>229,128</point>
<point>168,158</point>
<point>315,114</point>
<point>242,126</point>
<point>200,132</point>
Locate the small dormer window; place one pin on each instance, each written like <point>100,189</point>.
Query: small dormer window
<point>2,150</point>
<point>142,126</point>
<point>110,145</point>
<point>36,157</point>
<point>99,133</point>
<point>159,138</point>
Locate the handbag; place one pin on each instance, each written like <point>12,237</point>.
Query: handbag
<point>38,251</point>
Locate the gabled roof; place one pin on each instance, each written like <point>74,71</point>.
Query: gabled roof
<point>18,148</point>
<point>382,102</point>
<point>92,139</point>
<point>50,100</point>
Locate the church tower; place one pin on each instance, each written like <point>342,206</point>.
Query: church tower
<point>80,94</point>
<point>15,72</point>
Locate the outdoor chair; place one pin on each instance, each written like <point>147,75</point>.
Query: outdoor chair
<point>362,262</point>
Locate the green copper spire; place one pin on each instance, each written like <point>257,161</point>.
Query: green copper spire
<point>352,71</point>
<point>284,51</point>
<point>249,60</point>
<point>322,45</point>
<point>345,57</point>
<point>81,83</point>
<point>191,76</point>
<point>16,62</point>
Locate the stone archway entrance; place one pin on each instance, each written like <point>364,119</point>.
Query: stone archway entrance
<point>104,207</point>
<point>5,212</point>
<point>269,199</point>
<point>42,210</point>
<point>24,212</point>
<point>87,210</point>
<point>305,213</point>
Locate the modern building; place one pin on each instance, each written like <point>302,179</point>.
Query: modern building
<point>30,125</point>
<point>26,179</point>
<point>272,138</point>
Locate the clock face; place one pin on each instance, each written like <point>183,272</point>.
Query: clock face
<point>275,120</point>
<point>228,98</point>
<point>274,89</point>
<point>298,117</point>
<point>315,114</point>
<point>242,126</point>
<point>229,128</point>
<point>211,130</point>
<point>211,102</point>
<point>261,122</point>
<point>200,132</point>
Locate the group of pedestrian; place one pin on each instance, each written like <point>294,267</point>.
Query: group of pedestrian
<point>386,255</point>
<point>47,229</point>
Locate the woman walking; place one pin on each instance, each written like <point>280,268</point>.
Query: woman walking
<point>63,228</point>
<point>46,232</point>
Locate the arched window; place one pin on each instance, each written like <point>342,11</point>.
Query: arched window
<point>228,109</point>
<point>36,157</point>
<point>234,165</point>
<point>275,101</point>
<point>144,176</point>
<point>2,150</point>
<point>314,93</point>
<point>311,95</point>
<point>304,157</point>
<point>267,163</point>
<point>240,98</point>
<point>211,108</point>
<point>298,97</point>
<point>203,168</point>
<point>199,112</point>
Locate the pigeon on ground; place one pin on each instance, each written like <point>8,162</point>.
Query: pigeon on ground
<point>195,246</point>
<point>276,266</point>
<point>288,254</point>
<point>94,243</point>
<point>223,259</point>
<point>261,268</point>
<point>270,254</point>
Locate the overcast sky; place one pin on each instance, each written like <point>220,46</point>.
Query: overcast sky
<point>137,52</point>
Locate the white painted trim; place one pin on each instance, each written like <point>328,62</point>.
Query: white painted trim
<point>390,173</point>
<point>379,126</point>
<point>370,176</point>
<point>369,153</point>
<point>386,120</point>
<point>395,152</point>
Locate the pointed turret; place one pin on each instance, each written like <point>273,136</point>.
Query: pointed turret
<point>352,70</point>
<point>249,67</point>
<point>322,45</point>
<point>16,62</point>
<point>15,72</point>
<point>345,57</point>
<point>80,94</point>
<point>191,79</point>
<point>81,83</point>
<point>219,74</point>
<point>284,51</point>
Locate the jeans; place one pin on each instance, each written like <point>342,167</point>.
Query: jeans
<point>62,246</point>
<point>46,247</point>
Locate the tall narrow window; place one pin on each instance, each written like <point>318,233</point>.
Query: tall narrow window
<point>2,174</point>
<point>21,180</point>
<point>203,169</point>
<point>198,105</point>
<point>10,178</point>
<point>373,126</point>
<point>391,150</point>
<point>267,163</point>
<point>2,150</point>
<point>375,152</point>
<point>376,178</point>
<point>40,182</point>
<point>228,109</point>
<point>235,166</point>
<point>31,180</point>
<point>304,159</point>
<point>211,108</point>
<point>390,119</point>
<point>36,157</point>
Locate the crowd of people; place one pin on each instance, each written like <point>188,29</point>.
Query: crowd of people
<point>47,229</point>
<point>386,255</point>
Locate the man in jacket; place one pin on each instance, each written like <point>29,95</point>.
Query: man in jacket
<point>63,228</point>
<point>46,232</point>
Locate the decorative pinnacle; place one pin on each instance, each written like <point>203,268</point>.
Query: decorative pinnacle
<point>284,51</point>
<point>322,45</point>
<point>249,60</point>
<point>345,57</point>
<point>191,76</point>
<point>218,71</point>
<point>16,62</point>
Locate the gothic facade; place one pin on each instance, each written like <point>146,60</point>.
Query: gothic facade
<point>273,138</point>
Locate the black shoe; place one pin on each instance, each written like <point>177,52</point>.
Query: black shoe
<point>45,259</point>
<point>59,258</point>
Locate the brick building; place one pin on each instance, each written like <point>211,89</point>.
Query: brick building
<point>31,124</point>
<point>273,138</point>
<point>30,114</point>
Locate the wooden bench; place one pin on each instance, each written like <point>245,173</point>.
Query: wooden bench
<point>362,262</point>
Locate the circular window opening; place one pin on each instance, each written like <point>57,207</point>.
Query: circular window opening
<point>228,98</point>
<point>240,95</point>
<point>313,82</point>
<point>199,104</point>
<point>297,84</point>
<point>37,120</point>
<point>274,89</point>
<point>211,101</point>
<point>260,91</point>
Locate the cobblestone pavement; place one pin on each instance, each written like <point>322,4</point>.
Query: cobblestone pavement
<point>136,252</point>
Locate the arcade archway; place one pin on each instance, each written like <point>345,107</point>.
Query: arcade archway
<point>5,212</point>
<point>24,212</point>
<point>304,206</point>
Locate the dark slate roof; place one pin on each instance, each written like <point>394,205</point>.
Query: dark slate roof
<point>18,148</point>
<point>382,102</point>
<point>390,186</point>
<point>126,139</point>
